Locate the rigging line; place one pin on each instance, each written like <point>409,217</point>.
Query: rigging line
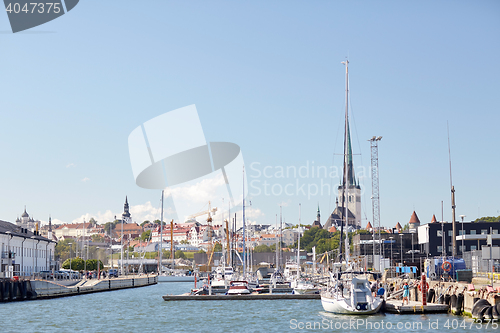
<point>330,209</point>
<point>359,147</point>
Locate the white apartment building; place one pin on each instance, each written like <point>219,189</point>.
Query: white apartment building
<point>24,252</point>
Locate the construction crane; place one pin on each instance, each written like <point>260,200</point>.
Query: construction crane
<point>210,254</point>
<point>204,212</point>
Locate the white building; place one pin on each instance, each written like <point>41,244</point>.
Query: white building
<point>24,252</point>
<point>73,230</point>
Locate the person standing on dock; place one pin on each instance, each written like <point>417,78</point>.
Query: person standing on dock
<point>406,293</point>
<point>381,291</point>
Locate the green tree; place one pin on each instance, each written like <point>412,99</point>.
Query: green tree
<point>488,219</point>
<point>218,247</point>
<point>145,235</point>
<point>312,236</point>
<point>92,264</point>
<point>97,239</point>
<point>109,227</point>
<point>262,248</point>
<point>77,264</point>
<point>62,250</point>
<point>144,223</point>
<point>180,254</point>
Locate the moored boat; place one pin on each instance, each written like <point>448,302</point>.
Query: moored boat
<point>238,288</point>
<point>351,296</point>
<point>303,287</point>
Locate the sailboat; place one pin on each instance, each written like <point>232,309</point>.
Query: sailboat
<point>348,291</point>
<point>172,275</point>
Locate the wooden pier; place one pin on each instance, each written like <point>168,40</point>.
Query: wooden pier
<point>396,306</point>
<point>219,297</point>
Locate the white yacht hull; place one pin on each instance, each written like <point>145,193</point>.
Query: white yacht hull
<point>304,291</point>
<point>341,306</point>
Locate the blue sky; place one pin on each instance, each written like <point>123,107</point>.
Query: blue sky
<point>267,76</point>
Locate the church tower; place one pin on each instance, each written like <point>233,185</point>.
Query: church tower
<point>318,216</point>
<point>126,213</point>
<point>353,200</point>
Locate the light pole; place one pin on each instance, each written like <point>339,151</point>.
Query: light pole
<point>401,249</point>
<point>70,268</point>
<point>391,238</point>
<point>463,235</point>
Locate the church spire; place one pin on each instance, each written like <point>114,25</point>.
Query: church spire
<point>126,213</point>
<point>350,170</point>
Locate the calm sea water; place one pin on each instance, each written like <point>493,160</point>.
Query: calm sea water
<point>144,310</point>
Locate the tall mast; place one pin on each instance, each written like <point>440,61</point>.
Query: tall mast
<point>161,233</point>
<point>281,235</point>
<point>298,245</point>
<point>277,240</point>
<point>344,187</point>
<point>454,229</point>
<point>244,227</point>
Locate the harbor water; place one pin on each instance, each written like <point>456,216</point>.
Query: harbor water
<point>144,310</point>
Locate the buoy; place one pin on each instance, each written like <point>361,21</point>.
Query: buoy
<point>446,266</point>
<point>447,299</point>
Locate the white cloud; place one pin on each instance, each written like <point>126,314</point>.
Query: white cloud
<point>193,197</point>
<point>86,179</point>
<point>139,213</point>
<point>284,203</point>
<point>70,165</point>
<point>253,212</point>
<point>101,218</point>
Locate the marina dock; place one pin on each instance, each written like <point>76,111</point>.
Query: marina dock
<point>395,306</point>
<point>219,297</point>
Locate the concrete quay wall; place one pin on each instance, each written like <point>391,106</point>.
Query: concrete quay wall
<point>449,288</point>
<point>50,289</point>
